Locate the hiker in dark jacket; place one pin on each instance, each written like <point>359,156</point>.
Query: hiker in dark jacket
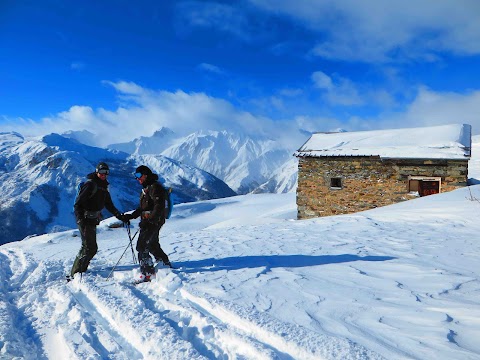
<point>91,199</point>
<point>152,211</point>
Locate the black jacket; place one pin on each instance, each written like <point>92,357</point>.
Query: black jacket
<point>152,198</point>
<point>101,199</point>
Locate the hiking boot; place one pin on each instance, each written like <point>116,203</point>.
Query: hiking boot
<point>147,277</point>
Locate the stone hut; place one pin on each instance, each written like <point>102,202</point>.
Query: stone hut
<point>347,172</point>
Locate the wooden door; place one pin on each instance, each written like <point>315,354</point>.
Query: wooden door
<point>428,187</point>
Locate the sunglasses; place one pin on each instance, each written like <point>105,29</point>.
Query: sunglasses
<point>137,175</point>
<point>103,171</point>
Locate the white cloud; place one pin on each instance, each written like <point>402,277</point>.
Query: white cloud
<point>322,80</point>
<point>208,14</point>
<point>77,65</point>
<point>210,68</point>
<point>184,113</point>
<point>429,108</point>
<point>437,108</point>
<point>378,31</point>
<point>317,124</point>
<point>291,92</point>
<point>340,91</point>
<point>147,111</point>
<point>126,87</point>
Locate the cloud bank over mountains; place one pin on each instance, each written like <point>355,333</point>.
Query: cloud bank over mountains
<point>143,111</point>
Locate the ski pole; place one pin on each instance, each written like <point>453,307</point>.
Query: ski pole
<point>124,251</point>
<point>131,242</point>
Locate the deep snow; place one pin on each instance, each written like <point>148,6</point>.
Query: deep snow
<point>399,282</point>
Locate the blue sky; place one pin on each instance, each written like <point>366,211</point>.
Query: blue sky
<point>260,65</point>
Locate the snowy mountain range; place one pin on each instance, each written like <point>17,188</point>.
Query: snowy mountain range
<point>39,176</point>
<point>246,164</point>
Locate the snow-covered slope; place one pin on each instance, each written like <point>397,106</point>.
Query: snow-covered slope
<point>282,180</point>
<point>398,282</point>
<point>38,180</point>
<point>240,161</point>
<point>474,163</point>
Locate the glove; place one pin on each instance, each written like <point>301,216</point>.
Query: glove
<point>124,218</point>
<point>144,224</point>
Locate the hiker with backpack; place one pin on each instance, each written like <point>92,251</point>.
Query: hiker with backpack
<point>92,197</point>
<point>153,212</point>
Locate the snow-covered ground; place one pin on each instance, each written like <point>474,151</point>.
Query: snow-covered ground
<point>399,282</point>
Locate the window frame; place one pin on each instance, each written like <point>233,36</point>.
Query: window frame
<point>333,182</point>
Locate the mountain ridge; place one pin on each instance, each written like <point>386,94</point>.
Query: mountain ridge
<point>39,178</point>
<point>243,162</point>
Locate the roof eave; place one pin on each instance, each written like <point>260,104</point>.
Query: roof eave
<point>303,154</point>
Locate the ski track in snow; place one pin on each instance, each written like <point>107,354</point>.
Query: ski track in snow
<point>94,318</point>
<point>25,343</point>
<point>180,313</point>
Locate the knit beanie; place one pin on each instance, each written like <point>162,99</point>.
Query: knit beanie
<point>144,170</point>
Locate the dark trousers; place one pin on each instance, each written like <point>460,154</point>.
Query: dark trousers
<point>148,243</point>
<point>89,248</point>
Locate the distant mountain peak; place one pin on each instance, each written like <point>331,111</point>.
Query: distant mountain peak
<point>82,136</point>
<point>155,144</point>
<point>238,159</point>
<point>11,137</point>
<point>164,131</point>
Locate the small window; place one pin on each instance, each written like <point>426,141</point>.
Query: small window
<point>335,183</point>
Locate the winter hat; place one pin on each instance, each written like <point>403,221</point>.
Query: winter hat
<point>102,166</point>
<point>144,170</point>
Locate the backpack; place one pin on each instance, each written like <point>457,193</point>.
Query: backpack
<point>168,201</point>
<point>81,184</point>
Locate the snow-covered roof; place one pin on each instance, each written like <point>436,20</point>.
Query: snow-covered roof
<point>434,142</point>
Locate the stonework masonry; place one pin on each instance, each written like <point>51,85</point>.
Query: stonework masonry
<point>367,182</point>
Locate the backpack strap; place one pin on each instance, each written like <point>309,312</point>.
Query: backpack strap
<point>95,187</point>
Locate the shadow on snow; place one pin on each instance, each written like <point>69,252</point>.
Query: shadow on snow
<point>272,261</point>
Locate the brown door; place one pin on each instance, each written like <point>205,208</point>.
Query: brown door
<point>428,187</point>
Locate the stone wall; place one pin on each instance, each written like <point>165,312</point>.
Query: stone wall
<point>366,182</point>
